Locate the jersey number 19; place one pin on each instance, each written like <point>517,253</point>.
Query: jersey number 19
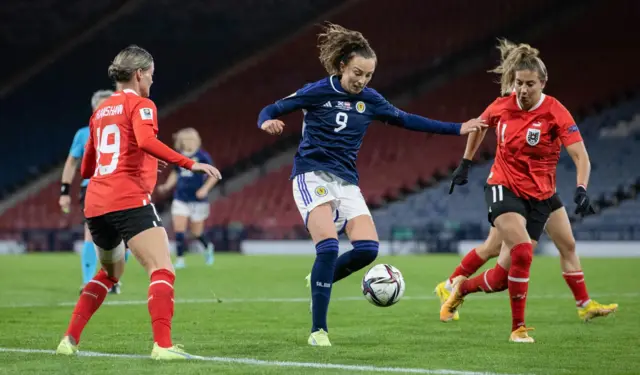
<point>106,148</point>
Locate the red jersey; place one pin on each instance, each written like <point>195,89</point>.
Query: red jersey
<point>121,155</point>
<point>529,144</point>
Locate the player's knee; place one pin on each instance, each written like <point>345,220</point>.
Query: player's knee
<point>568,247</point>
<point>366,250</point>
<point>111,256</point>
<point>521,257</point>
<point>512,228</point>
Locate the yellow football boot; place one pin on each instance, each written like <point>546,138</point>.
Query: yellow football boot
<point>594,309</point>
<point>449,308</point>
<point>319,338</point>
<point>522,335</point>
<point>443,294</point>
<point>175,352</point>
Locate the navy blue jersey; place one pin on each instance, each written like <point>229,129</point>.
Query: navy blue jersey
<point>189,182</point>
<point>335,123</point>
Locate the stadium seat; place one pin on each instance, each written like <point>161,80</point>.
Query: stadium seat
<point>393,160</point>
<point>206,39</point>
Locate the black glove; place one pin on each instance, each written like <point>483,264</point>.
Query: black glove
<point>461,175</point>
<point>581,198</point>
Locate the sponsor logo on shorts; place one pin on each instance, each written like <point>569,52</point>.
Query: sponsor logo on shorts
<point>321,191</point>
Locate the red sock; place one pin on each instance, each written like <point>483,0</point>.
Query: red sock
<point>521,257</point>
<point>575,280</point>
<point>469,265</point>
<point>160,305</point>
<point>93,294</point>
<point>490,281</point>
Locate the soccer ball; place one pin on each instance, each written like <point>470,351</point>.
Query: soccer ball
<point>383,285</point>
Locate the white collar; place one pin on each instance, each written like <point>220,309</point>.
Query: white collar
<point>129,91</point>
<point>334,87</point>
<point>538,104</point>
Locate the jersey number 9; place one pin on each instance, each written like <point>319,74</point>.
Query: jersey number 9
<point>106,148</point>
<point>341,119</point>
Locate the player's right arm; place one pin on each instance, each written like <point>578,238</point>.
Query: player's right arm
<point>473,144</point>
<point>88,167</point>
<point>145,129</point>
<point>267,119</point>
<point>475,139</point>
<point>460,175</point>
<point>69,171</point>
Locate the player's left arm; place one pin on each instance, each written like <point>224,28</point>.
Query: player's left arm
<point>144,118</point>
<point>578,153</point>
<point>388,113</point>
<point>572,141</point>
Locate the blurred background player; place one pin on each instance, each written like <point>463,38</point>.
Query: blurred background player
<point>121,160</point>
<point>337,112</point>
<point>530,127</point>
<point>190,198</point>
<point>88,255</point>
<point>558,228</point>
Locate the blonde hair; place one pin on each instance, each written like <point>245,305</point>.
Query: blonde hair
<point>339,45</point>
<point>179,136</point>
<point>516,57</point>
<point>128,61</point>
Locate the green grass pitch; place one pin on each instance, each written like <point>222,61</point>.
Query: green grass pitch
<point>262,324</point>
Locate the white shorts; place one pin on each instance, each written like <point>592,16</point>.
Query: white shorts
<point>315,188</point>
<point>195,211</point>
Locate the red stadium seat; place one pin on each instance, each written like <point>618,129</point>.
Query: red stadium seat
<point>226,114</point>
<point>391,159</point>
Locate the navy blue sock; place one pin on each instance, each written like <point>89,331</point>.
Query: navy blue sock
<point>363,253</point>
<point>321,280</point>
<point>181,244</point>
<point>203,240</point>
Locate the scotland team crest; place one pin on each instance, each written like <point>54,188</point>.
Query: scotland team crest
<point>533,136</point>
<point>321,191</point>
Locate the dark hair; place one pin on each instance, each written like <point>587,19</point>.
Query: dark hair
<point>339,45</point>
<point>128,61</point>
<point>516,57</point>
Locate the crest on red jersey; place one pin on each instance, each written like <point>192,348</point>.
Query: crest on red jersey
<point>533,136</point>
